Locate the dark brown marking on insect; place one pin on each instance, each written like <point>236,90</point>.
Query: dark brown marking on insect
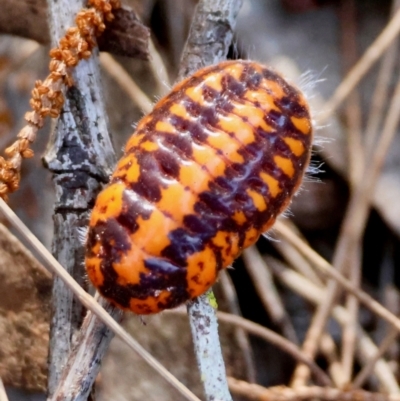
<point>183,244</point>
<point>132,208</point>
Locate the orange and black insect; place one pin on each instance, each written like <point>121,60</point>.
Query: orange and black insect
<point>205,173</point>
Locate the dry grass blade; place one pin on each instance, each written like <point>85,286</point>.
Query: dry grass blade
<point>362,376</point>
<point>241,337</point>
<point>265,287</point>
<point>329,270</point>
<point>272,338</point>
<point>366,349</point>
<point>373,53</point>
<point>281,393</point>
<point>89,302</point>
<point>126,82</point>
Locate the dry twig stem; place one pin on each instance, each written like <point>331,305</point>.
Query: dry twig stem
<point>210,36</point>
<point>267,292</point>
<point>256,392</point>
<point>80,156</point>
<point>368,59</point>
<point>241,336</point>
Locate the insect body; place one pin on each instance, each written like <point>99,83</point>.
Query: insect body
<point>205,173</point>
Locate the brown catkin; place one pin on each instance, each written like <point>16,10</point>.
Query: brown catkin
<point>48,96</point>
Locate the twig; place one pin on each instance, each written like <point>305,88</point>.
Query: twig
<point>332,273</point>
<point>80,156</point>
<point>297,261</point>
<point>90,303</point>
<point>373,53</point>
<point>256,392</point>
<point>348,29</point>
<point>365,347</point>
<point>210,36</point>
<point>271,337</point>
<point>356,160</point>
<point>267,292</point>
<point>380,96</point>
<point>368,368</point>
<point>241,337</point>
<point>204,327</point>
<point>159,70</point>
<point>125,81</point>
<point>353,226</point>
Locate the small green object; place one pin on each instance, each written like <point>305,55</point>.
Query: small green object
<point>212,300</point>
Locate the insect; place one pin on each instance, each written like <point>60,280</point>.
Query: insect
<point>204,174</point>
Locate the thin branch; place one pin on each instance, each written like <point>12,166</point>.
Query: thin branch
<point>256,392</point>
<point>267,292</point>
<point>125,81</point>
<point>380,95</point>
<point>352,227</point>
<point>271,337</point>
<point>365,346</point>
<point>80,156</point>
<point>210,36</point>
<point>369,58</point>
<point>241,337</point>
<point>362,376</point>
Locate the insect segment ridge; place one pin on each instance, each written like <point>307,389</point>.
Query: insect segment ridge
<point>204,174</point>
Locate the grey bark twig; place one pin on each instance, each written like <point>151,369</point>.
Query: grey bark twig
<point>210,36</point>
<point>80,156</point>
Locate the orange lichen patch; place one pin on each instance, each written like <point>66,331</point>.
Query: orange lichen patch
<point>273,184</point>
<point>258,200</point>
<point>128,168</point>
<point>152,234</point>
<point>251,237</point>
<point>93,267</point>
<point>195,93</point>
<point>193,176</point>
<point>239,217</point>
<point>201,271</point>
<point>232,123</point>
<point>234,70</point>
<point>164,126</point>
<point>208,157</point>
<point>272,87</point>
<point>296,146</point>
<point>133,141</point>
<point>126,274</point>
<point>108,203</point>
<point>214,81</point>
<point>149,304</point>
<point>253,114</point>
<point>265,100</point>
<point>285,164</point>
<point>179,110</point>
<point>176,201</point>
<point>220,140</point>
<point>302,124</point>
<point>149,146</point>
